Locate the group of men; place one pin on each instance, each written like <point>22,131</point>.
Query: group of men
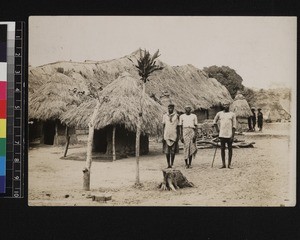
<point>185,129</point>
<point>252,120</point>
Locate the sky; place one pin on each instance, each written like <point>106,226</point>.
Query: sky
<point>262,50</point>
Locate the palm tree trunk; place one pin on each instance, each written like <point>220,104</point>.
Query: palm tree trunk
<point>114,143</point>
<point>137,152</point>
<point>87,169</point>
<point>67,141</point>
<point>144,90</point>
<point>138,136</point>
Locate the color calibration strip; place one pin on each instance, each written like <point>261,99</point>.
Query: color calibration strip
<point>3,99</point>
<point>14,85</point>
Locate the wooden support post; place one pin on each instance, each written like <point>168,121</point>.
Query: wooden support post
<point>114,143</point>
<point>56,134</point>
<point>87,169</point>
<point>67,141</point>
<point>137,153</point>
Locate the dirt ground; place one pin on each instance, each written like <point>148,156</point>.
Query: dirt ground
<point>262,176</point>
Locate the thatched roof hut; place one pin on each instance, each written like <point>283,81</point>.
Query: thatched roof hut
<point>240,107</point>
<point>275,103</point>
<point>47,104</point>
<point>54,97</point>
<point>119,105</point>
<point>119,108</point>
<point>186,84</point>
<point>242,111</point>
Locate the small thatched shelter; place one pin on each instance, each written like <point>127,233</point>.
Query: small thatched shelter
<point>119,109</point>
<point>46,105</point>
<point>242,111</point>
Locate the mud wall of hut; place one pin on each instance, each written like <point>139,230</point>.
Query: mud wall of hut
<point>124,142</point>
<point>201,115</point>
<point>204,114</point>
<point>242,124</point>
<point>212,112</point>
<point>54,133</point>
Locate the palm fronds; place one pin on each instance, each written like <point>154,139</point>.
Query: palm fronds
<point>147,64</point>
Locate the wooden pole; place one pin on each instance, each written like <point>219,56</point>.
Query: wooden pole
<point>56,134</point>
<point>138,136</point>
<point>87,169</point>
<point>114,143</point>
<point>137,152</point>
<point>67,141</point>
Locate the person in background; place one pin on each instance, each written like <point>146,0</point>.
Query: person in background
<point>260,118</point>
<point>227,122</point>
<point>253,119</point>
<point>171,134</point>
<point>188,131</point>
<point>249,123</point>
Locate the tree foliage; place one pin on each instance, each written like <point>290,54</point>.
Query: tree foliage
<point>226,76</point>
<point>249,94</point>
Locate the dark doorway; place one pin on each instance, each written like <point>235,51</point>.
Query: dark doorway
<point>100,141</point>
<point>49,132</point>
<point>35,130</point>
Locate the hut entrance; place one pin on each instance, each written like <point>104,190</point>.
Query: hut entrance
<point>100,141</point>
<point>35,130</point>
<point>202,114</point>
<point>49,132</point>
<point>125,142</point>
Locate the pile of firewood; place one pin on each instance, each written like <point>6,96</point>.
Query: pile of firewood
<point>215,142</point>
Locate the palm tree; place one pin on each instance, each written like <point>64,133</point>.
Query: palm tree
<point>146,65</point>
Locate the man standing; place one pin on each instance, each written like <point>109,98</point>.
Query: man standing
<point>250,124</point>
<point>260,118</point>
<point>188,132</point>
<point>171,134</point>
<point>253,118</point>
<point>226,132</point>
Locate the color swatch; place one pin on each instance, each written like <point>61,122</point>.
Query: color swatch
<point>3,99</point>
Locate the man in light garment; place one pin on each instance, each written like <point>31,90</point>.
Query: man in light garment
<point>227,121</point>
<point>188,132</point>
<point>171,134</point>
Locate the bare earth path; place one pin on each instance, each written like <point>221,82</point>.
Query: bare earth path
<point>261,177</point>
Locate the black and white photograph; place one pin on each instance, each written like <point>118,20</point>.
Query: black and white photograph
<point>162,111</point>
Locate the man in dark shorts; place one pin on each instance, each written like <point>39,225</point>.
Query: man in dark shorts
<point>171,134</point>
<point>227,122</point>
<point>260,118</point>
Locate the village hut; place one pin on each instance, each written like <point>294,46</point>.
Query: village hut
<point>187,85</point>
<point>46,105</point>
<point>277,111</point>
<point>118,116</point>
<point>242,111</point>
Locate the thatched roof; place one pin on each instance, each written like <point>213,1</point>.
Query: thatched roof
<point>54,97</point>
<point>186,84</point>
<point>240,107</point>
<point>273,102</point>
<point>119,105</point>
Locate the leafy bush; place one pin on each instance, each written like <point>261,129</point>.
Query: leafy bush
<point>226,76</point>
